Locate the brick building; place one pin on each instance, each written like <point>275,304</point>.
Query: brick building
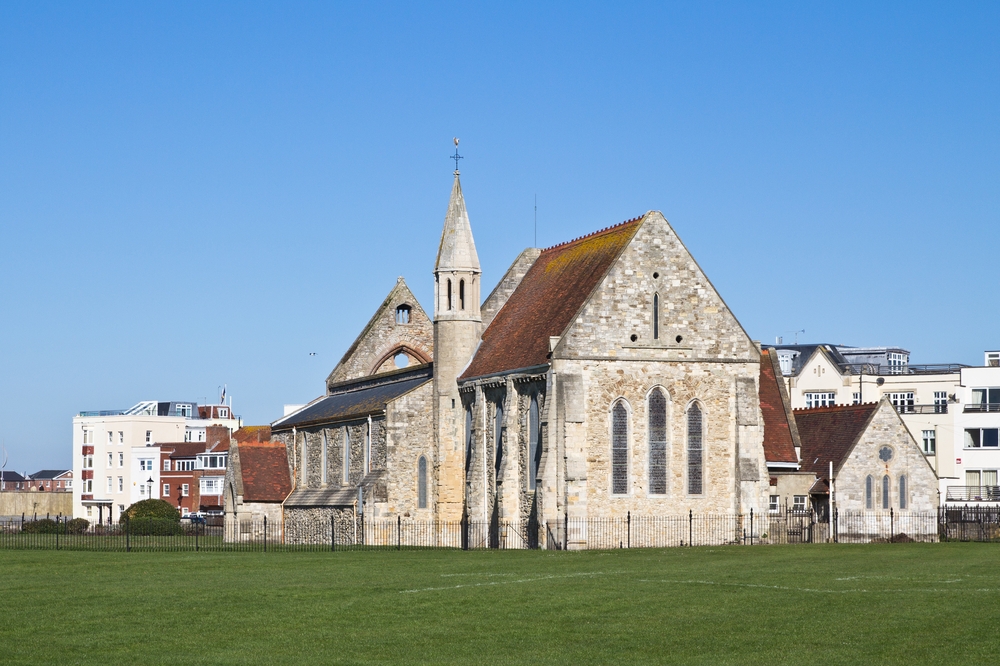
<point>192,475</point>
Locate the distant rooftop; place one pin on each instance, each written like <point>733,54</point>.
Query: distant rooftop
<point>188,409</point>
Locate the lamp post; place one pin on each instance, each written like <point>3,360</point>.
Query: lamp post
<point>150,482</point>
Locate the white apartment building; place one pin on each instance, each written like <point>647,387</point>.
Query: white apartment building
<point>112,451</point>
<point>977,428</point>
<point>927,397</point>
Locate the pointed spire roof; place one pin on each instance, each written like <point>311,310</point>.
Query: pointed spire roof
<point>457,250</point>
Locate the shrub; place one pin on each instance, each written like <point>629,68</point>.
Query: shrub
<point>77,526</point>
<point>154,527</point>
<point>152,508</point>
<point>42,526</point>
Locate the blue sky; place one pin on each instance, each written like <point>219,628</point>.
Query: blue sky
<point>198,194</point>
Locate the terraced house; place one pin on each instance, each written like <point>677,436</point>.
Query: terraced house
<point>600,376</point>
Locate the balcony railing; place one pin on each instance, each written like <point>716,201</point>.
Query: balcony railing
<point>983,407</point>
<point>922,409</point>
<point>973,494</point>
<point>105,412</point>
<point>886,370</point>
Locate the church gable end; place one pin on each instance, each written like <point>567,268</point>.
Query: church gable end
<point>400,325</point>
<point>655,303</point>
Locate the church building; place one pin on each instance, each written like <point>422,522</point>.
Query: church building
<point>601,376</point>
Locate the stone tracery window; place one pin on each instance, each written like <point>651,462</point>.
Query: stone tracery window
<point>657,443</point>
<point>869,483</point>
<point>619,449</point>
<point>902,492</point>
<point>468,440</point>
<point>694,433</point>
<point>885,491</point>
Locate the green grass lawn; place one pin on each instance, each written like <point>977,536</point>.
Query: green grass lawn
<point>883,603</point>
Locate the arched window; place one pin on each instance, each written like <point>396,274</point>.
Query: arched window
<point>322,472</point>
<point>869,482</point>
<point>468,439</point>
<point>461,294</point>
<point>403,314</point>
<point>449,294</point>
<point>657,443</point>
<point>305,460</point>
<point>656,316</point>
<point>422,483</point>
<point>885,491</point>
<point>902,492</point>
<point>534,443</point>
<point>619,449</point>
<point>694,427</point>
<point>498,436</point>
<point>347,456</point>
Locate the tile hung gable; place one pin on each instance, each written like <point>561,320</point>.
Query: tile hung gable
<point>622,306</point>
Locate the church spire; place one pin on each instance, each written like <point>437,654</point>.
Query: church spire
<point>457,250</point>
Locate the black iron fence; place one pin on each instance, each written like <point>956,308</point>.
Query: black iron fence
<point>333,533</point>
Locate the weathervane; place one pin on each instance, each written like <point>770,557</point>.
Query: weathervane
<point>456,156</point>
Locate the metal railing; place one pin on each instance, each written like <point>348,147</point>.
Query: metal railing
<point>982,407</point>
<point>878,369</point>
<point>973,494</point>
<point>922,409</point>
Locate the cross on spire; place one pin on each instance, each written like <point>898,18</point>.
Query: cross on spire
<point>456,156</point>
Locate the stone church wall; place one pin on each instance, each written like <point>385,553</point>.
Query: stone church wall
<point>409,434</point>
<point>335,438</point>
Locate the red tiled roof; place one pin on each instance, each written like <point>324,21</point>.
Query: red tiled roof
<point>261,433</point>
<point>545,302</point>
<point>779,446</point>
<point>264,468</point>
<point>829,433</point>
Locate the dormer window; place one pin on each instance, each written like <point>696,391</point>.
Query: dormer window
<point>184,410</point>
<point>403,314</point>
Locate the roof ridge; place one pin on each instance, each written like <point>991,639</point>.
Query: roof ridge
<point>594,233</point>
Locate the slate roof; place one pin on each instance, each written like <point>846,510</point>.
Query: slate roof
<point>264,468</point>
<point>545,302</point>
<point>806,351</point>
<point>830,433</point>
<point>48,474</point>
<point>338,496</point>
<point>11,476</point>
<point>780,433</point>
<point>357,398</point>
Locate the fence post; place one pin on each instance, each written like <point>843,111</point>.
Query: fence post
<point>333,533</point>
<point>836,516</point>
<point>57,532</point>
<point>628,527</point>
<point>751,526</point>
<point>465,530</point>
<point>892,526</point>
<point>399,533</point>
<point>690,527</point>
<point>128,535</point>
<point>196,530</point>
<point>265,533</point>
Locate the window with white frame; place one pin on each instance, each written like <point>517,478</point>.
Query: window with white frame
<point>988,399</point>
<point>977,438</point>
<point>211,485</point>
<point>940,402</point>
<point>149,436</point>
<point>856,398</point>
<point>184,410</point>
<point>185,489</point>
<point>121,484</point>
<point>88,436</point>
<point>121,437</point>
<point>216,461</point>
<point>121,459</point>
<point>111,437</point>
<point>90,511</point>
<point>110,459</point>
<point>187,435</point>
<point>930,442</point>
<point>142,490</point>
<point>110,481</point>
<point>902,401</point>
<point>166,465</point>
<point>88,461</point>
<point>88,486</point>
<point>820,400</point>
<point>146,464</point>
<point>183,465</point>
<point>69,483</point>
<point>223,412</point>
<point>201,435</point>
<point>798,503</point>
<point>897,362</point>
<point>773,503</point>
<point>166,490</point>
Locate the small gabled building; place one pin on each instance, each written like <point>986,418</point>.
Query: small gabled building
<point>258,481</point>
<point>876,463</point>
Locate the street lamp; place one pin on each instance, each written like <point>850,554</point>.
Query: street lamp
<point>150,482</point>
